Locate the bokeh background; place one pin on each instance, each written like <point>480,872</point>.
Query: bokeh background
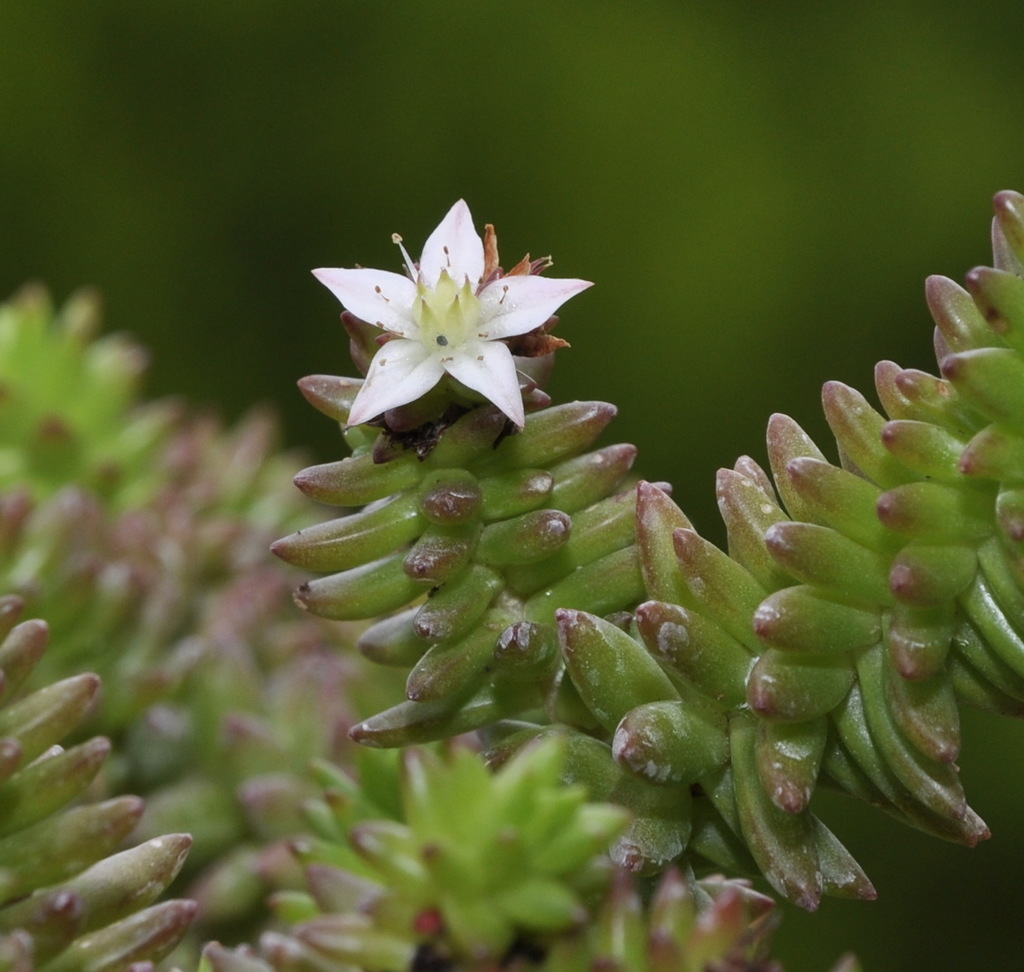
<point>757,188</point>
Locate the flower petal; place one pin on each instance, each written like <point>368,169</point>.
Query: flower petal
<point>489,370</point>
<point>514,305</point>
<point>454,246</point>
<point>401,372</point>
<point>375,296</point>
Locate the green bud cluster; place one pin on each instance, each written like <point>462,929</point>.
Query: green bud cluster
<point>70,900</point>
<point>472,871</point>
<point>468,544</point>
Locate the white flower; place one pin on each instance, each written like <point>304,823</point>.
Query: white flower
<point>446,317</point>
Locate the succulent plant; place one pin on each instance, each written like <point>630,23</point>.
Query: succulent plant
<point>857,607</point>
<point>70,897</point>
<point>68,410</point>
<point>145,547</point>
<point>471,870</point>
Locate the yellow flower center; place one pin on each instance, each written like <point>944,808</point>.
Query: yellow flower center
<point>447,314</point>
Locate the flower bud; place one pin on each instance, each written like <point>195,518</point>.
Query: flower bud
<point>935,513</point>
<point>362,592</point>
<point>797,687</point>
<point>696,649</point>
<point>787,441</point>
<point>788,757</point>
<point>926,713</point>
<point>453,669</point>
<point>959,321</point>
<point>585,479</point>
<point>747,514</point>
<point>858,431</point>
<point>352,540</point>
<point>357,480</point>
<point>931,451</point>
<point>671,742</point>
<point>608,584</point>
<point>999,296</point>
<point>993,453</point>
<point>992,380</point>
<point>919,638</point>
<point>1009,208</point>
<point>612,672</point>
<point>842,500</point>
<point>45,717</point>
<point>828,560</point>
<point>657,517</point>
<point>331,395</point>
<point>724,590</point>
<point>508,494</point>
<point>524,539</point>
<point>449,497</point>
<point>440,553</point>
<point>782,843</point>
<point>800,619</point>
<point>48,783</point>
<point>557,432</point>
<point>457,606</point>
<point>925,575</point>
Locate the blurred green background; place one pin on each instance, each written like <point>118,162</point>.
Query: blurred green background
<point>758,190</point>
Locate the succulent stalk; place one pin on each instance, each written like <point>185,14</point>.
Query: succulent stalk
<point>710,692</point>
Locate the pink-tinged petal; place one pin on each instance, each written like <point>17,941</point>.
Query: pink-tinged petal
<point>454,246</point>
<point>489,370</point>
<point>375,296</point>
<point>514,305</point>
<point>401,371</point>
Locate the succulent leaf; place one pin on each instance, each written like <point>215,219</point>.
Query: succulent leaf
<point>68,899</point>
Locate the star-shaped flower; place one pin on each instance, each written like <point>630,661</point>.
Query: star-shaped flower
<point>450,315</point>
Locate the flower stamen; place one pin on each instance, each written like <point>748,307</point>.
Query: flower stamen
<point>410,267</point>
